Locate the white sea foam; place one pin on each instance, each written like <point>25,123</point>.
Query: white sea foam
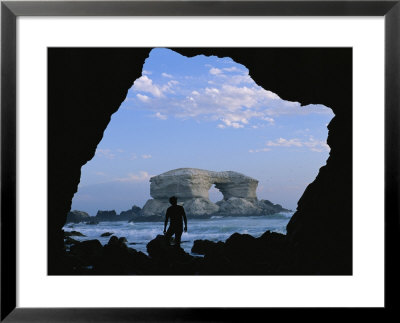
<point>215,229</point>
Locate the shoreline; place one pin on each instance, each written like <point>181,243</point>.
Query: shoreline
<point>157,218</point>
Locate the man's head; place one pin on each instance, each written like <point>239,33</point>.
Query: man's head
<point>173,200</point>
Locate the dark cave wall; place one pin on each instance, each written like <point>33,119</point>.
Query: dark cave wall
<point>86,86</point>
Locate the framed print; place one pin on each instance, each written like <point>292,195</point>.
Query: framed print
<point>244,135</point>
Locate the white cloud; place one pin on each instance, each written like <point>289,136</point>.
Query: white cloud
<point>212,91</point>
<point>310,143</point>
<point>144,72</point>
<point>106,153</point>
<point>236,125</point>
<point>146,156</point>
<point>281,142</point>
<point>231,69</point>
<point>270,120</point>
<point>230,123</point>
<point>142,176</point>
<point>219,71</point>
<point>227,96</point>
<point>317,145</point>
<point>259,150</point>
<point>232,105</point>
<point>215,71</point>
<point>145,84</point>
<point>161,116</point>
<point>143,98</point>
<point>170,84</point>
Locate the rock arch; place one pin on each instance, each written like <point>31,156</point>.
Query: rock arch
<point>191,186</point>
<point>188,183</point>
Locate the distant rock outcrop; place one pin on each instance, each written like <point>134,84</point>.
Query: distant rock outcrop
<point>103,216</point>
<point>106,215</point>
<point>239,206</point>
<point>77,216</point>
<point>191,186</point>
<point>135,210</point>
<point>113,216</point>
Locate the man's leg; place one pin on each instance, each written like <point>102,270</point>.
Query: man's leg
<point>168,235</point>
<point>178,235</point>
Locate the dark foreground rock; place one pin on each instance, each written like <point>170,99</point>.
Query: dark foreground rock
<point>240,254</point>
<point>118,259</point>
<point>73,233</point>
<point>115,258</point>
<point>170,259</point>
<point>203,247</point>
<point>69,241</point>
<point>87,251</point>
<point>243,254</point>
<point>106,234</point>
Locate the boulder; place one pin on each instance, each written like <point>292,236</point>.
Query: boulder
<point>203,247</point>
<point>241,243</point>
<point>88,251</point>
<point>73,233</point>
<point>159,248</point>
<point>106,234</point>
<point>69,241</point>
<point>87,247</point>
<point>118,259</point>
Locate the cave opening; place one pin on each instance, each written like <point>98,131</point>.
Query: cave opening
<point>306,98</point>
<point>207,113</point>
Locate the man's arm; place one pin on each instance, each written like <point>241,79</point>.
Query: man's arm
<point>184,219</point>
<point>166,221</point>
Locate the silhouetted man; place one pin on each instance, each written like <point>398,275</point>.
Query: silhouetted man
<point>176,213</point>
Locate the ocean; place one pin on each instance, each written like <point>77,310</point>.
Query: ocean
<point>215,229</point>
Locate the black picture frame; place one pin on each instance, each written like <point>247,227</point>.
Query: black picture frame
<point>11,10</point>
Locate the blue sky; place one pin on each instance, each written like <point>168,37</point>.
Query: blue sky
<point>203,112</point>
